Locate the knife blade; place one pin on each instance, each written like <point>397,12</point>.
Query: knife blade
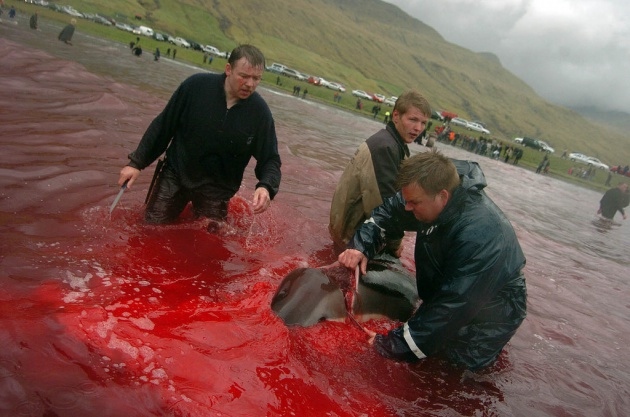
<point>117,199</point>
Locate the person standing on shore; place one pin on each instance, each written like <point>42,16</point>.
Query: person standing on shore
<point>67,32</point>
<point>33,21</point>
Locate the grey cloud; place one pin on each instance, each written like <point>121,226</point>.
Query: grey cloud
<point>571,52</point>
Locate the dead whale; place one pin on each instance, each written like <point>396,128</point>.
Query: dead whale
<point>307,296</point>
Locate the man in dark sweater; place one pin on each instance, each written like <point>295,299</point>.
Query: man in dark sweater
<point>210,128</point>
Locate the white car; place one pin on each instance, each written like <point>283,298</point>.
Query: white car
<point>477,128</point>
<point>180,42</point>
<point>597,163</point>
<point>545,146</point>
<point>391,101</point>
<point>336,86</point>
<point>518,140</point>
<point>124,26</point>
<point>459,121</point>
<point>214,51</point>
<point>290,72</point>
<point>577,157</point>
<point>324,83</point>
<point>588,160</point>
<point>361,94</point>
<point>71,11</point>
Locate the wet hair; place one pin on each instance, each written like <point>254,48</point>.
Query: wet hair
<point>410,99</point>
<point>432,171</point>
<point>252,54</point>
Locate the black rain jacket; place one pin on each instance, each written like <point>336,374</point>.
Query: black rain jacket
<point>468,273</point>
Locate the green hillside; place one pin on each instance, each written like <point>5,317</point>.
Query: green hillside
<point>374,46</point>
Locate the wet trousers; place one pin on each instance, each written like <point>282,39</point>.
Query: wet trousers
<point>169,197</point>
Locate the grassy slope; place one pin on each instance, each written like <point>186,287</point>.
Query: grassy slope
<point>374,46</point>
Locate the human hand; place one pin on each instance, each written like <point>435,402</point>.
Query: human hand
<point>350,258</point>
<point>261,200</point>
<point>128,174</point>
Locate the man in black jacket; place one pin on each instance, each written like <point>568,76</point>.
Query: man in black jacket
<point>614,200</point>
<point>210,128</point>
<point>468,263</point>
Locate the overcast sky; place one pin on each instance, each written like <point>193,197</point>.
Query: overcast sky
<point>572,52</point>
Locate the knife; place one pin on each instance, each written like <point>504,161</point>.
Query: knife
<point>120,193</point>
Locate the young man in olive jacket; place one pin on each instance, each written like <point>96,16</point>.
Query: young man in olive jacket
<point>210,129</point>
<point>468,263</point>
<point>370,176</point>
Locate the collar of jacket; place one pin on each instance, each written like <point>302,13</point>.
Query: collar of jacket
<point>391,128</point>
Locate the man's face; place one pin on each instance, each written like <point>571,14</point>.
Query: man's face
<point>424,207</point>
<point>242,79</point>
<point>410,124</point>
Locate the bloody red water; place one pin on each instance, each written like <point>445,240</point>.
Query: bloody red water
<point>102,315</point>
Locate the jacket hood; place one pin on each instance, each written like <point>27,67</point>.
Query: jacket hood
<point>473,181</point>
<point>470,174</point>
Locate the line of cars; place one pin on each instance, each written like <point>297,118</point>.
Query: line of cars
<point>137,30</point>
<point>319,81</point>
<point>293,73</point>
<point>379,98</point>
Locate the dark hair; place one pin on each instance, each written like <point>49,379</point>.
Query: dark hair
<point>432,171</point>
<point>252,54</point>
<point>410,99</point>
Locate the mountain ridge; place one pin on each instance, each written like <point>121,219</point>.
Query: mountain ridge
<point>375,46</point>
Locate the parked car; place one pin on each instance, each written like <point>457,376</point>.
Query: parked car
<point>361,94</point>
<point>477,128</point>
<point>588,160</point>
<point>391,101</point>
<point>103,21</point>
<point>531,143</point>
<point>546,146</point>
<point>71,11</point>
<point>178,41</point>
<point>290,72</point>
<point>314,80</point>
<point>145,30</point>
<point>597,163</point>
<point>459,121</point>
<point>336,86</point>
<point>324,83</point>
<point>379,98</point>
<point>214,51</point>
<point>277,68</point>
<point>577,157</point>
<point>124,26</point>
